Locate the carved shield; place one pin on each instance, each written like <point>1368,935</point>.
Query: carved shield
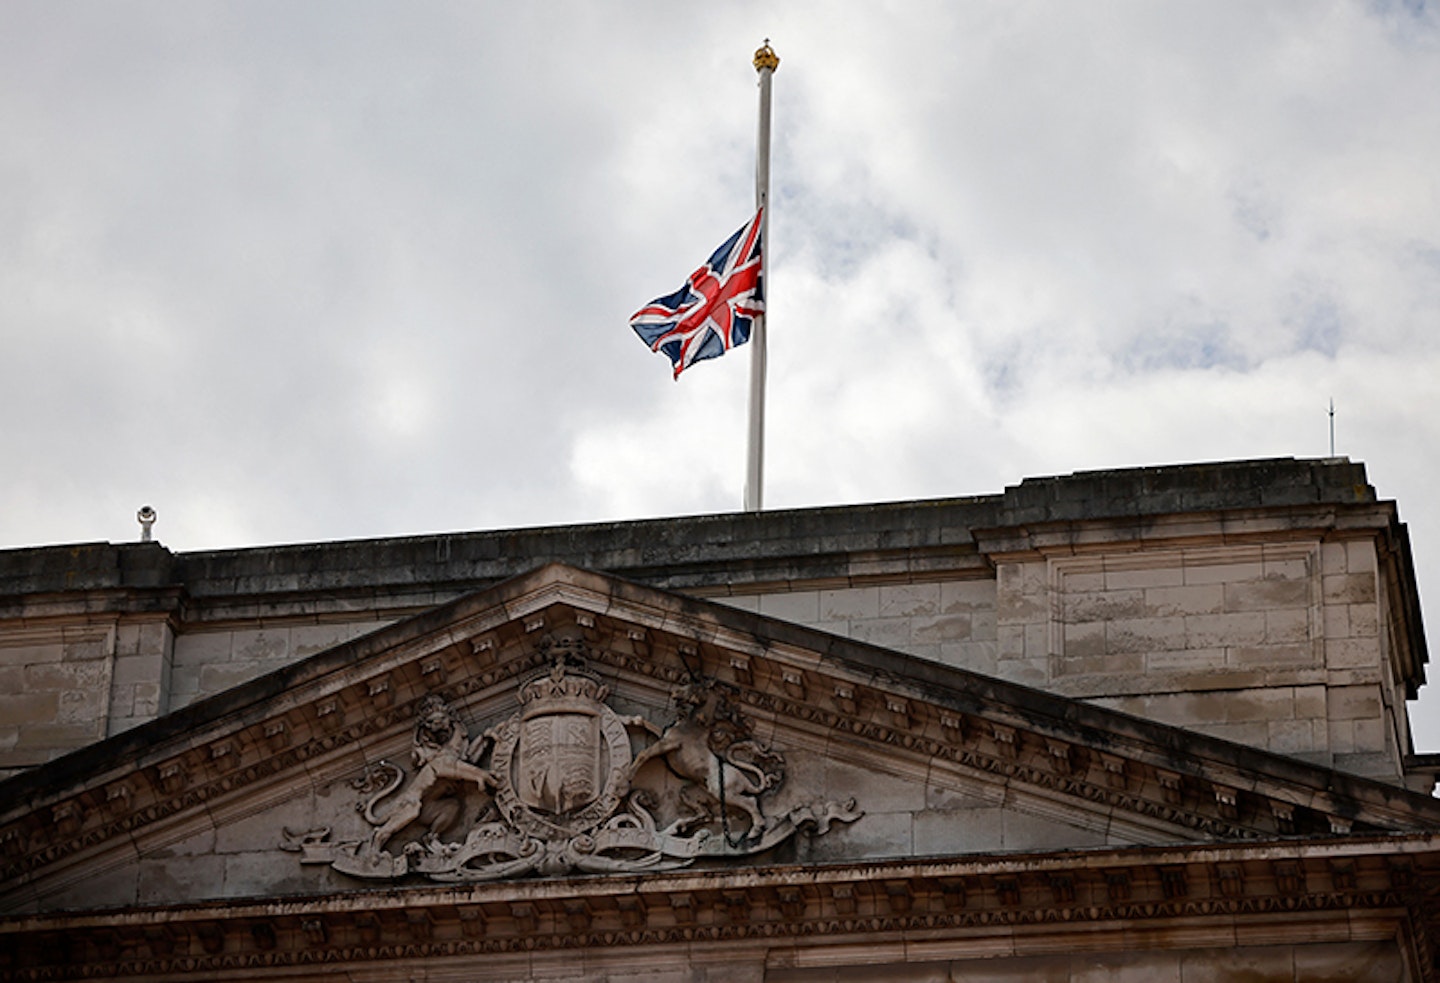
<point>561,762</point>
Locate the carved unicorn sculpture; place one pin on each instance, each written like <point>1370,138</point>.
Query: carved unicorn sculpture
<point>711,745</point>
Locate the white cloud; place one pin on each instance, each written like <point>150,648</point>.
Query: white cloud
<point>332,270</point>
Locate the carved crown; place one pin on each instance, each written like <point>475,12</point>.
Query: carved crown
<point>563,688</point>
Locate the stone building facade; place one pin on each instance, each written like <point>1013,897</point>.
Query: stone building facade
<point>1144,724</point>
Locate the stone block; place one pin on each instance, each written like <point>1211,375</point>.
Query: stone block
<point>905,600</point>
<point>148,700</point>
<point>1284,565</point>
<point>1370,734</point>
<point>1349,588</point>
<point>1172,574</point>
<point>56,738</point>
<point>1360,556</point>
<point>1010,641</point>
<point>801,607</point>
<point>982,625</point>
<point>1081,581</point>
<point>127,640</point>
<point>975,656</point>
<point>1295,736</point>
<point>1103,605</point>
<point>156,636</point>
<point>1355,962</point>
<point>1248,705</point>
<point>882,790</point>
<point>100,888</point>
<point>1130,664</point>
<point>1290,625</point>
<point>892,633</point>
<point>1168,602</point>
<point>177,878</point>
<point>257,832</point>
<point>1364,620</point>
<point>184,683</point>
<point>1018,608</point>
<point>1334,557</point>
<point>1024,831</point>
<point>1336,620</point>
<point>67,676</point>
<point>1026,672</point>
<point>260,645</point>
<point>34,707</point>
<point>930,650</point>
<point>307,640</point>
<point>742,602</point>
<point>1144,635</point>
<point>1084,640</point>
<point>138,669</point>
<point>1255,734</point>
<point>1202,572</point>
<point>1351,653</point>
<point>1354,702</point>
<point>1341,735</point>
<point>117,724</point>
<point>1185,660</point>
<point>1310,701</point>
<point>959,596</point>
<point>875,834</point>
<point>1267,595</point>
<point>198,648</point>
<point>850,604</point>
<point>960,831</point>
<point>26,655</point>
<point>1252,656</point>
<point>82,706</point>
<point>1021,578</point>
<point>1203,631</point>
<point>1371,764</point>
<point>942,628</point>
<point>88,647</point>
<point>218,678</point>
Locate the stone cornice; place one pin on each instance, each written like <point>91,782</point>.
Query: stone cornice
<point>1364,887</point>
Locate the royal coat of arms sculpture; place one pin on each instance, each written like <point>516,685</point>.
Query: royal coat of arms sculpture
<point>556,788</point>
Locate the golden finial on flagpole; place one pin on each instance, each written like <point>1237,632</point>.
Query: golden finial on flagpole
<point>766,57</point>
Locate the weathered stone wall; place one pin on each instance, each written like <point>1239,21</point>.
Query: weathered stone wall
<point>1277,646</point>
<point>1270,603</point>
<point>210,661</point>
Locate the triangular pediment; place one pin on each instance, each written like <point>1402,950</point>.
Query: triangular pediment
<point>570,724</point>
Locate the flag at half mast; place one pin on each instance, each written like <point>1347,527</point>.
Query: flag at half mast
<point>716,308</point>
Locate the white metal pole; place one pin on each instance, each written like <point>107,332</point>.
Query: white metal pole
<point>766,62</point>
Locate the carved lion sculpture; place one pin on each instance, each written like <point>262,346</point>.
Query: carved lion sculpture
<point>711,745</point>
<point>442,754</point>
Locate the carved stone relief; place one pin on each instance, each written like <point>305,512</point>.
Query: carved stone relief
<point>556,787</point>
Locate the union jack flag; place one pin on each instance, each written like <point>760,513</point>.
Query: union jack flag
<point>715,310</point>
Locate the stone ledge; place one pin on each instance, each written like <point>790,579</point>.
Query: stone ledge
<point>1103,899</point>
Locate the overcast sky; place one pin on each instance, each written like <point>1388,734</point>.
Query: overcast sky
<point>306,271</point>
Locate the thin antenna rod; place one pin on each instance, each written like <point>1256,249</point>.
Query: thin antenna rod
<point>766,62</point>
<point>1332,426</point>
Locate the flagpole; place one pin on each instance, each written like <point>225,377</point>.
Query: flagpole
<point>766,61</point>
